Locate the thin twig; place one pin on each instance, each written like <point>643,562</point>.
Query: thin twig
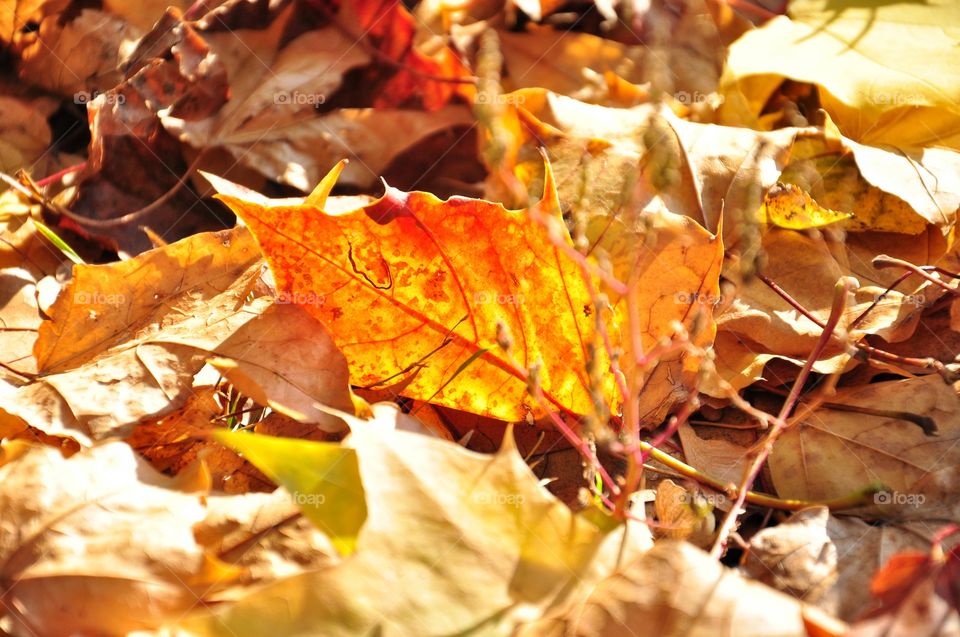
<point>870,351</point>
<point>841,290</point>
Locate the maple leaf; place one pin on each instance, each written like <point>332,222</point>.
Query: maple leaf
<point>413,286</point>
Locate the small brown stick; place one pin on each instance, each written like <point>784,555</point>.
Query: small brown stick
<point>841,290</point>
<point>883,261</point>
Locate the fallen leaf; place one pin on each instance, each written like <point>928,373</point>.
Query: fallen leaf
<point>80,58</point>
<point>789,207</point>
<point>454,542</point>
<point>682,591</point>
<point>834,453</point>
<point>411,269</point>
<point>322,477</point>
<point>796,557</point>
<point>24,132</point>
<point>98,544</point>
<point>887,73</point>
<point>918,593</point>
<point>125,340</point>
<point>862,549</point>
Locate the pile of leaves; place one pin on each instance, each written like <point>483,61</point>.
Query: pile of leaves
<point>533,317</point>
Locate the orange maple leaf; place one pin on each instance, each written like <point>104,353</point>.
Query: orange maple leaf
<point>413,288</point>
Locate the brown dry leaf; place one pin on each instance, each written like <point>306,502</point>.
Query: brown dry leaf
<point>19,321</point>
<point>272,122</point>
<point>21,246</point>
<point>98,544</point>
<point>722,459</point>
<point>681,54</point>
<point>574,66</point>
<point>833,453</point>
<point>797,557</point>
<point>683,514</point>
<point>80,58</point>
<point>179,441</point>
<point>917,591</point>
<point>644,157</point>
<point>680,590</point>
<point>143,14</point>
<point>864,548</point>
<point>125,340</point>
<point>829,560</point>
<point>24,132</point>
<point>759,325</point>
<point>266,535</point>
<point>19,14</point>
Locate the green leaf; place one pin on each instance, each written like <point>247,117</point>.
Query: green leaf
<point>322,477</point>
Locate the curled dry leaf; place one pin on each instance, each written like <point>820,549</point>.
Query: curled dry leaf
<point>797,557</point>
<point>24,132</point>
<point>80,58</point>
<point>682,591</point>
<point>720,458</point>
<point>862,549</point>
<point>272,122</point>
<point>683,514</point>
<point>266,535</point>
<point>917,591</point>
<point>887,73</point>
